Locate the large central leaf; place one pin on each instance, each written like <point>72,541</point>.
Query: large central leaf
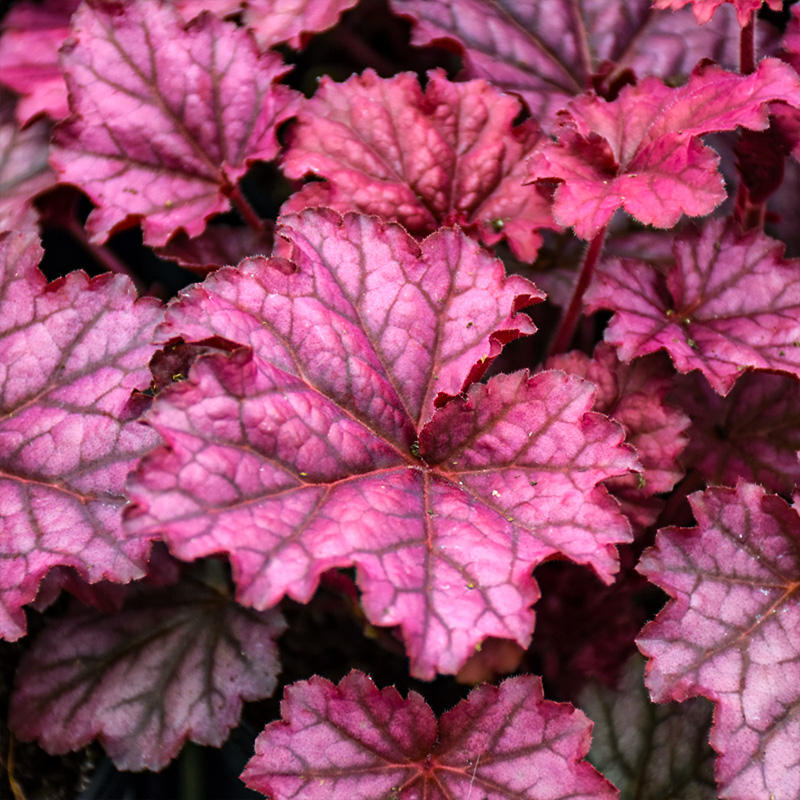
<point>324,442</point>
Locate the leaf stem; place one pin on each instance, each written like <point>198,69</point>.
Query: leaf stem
<point>246,210</point>
<point>571,315</point>
<point>747,46</point>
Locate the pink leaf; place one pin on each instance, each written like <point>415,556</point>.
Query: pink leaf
<point>167,118</point>
<point>730,633</point>
<point>314,448</point>
<point>548,51</point>
<point>447,155</point>
<point>752,434</point>
<point>24,172</point>
<point>704,9</point>
<point>730,303</point>
<point>72,353</point>
<point>32,35</point>
<point>642,152</point>
<point>635,396</point>
<point>355,741</point>
<point>173,664</point>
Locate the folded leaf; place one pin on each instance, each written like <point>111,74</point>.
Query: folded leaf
<point>642,152</point>
<point>323,443</point>
<point>355,741</point>
<point>72,353</point>
<point>167,117</point>
<point>730,303</point>
<point>448,155</point>
<point>730,633</point>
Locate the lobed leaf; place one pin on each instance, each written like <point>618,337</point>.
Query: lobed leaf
<point>173,664</point>
<point>72,353</point>
<point>166,117</point>
<point>323,443</point>
<point>448,155</point>
<point>730,303</point>
<point>730,632</point>
<point>548,51</point>
<point>642,152</point>
<point>355,741</point>
<point>704,9</point>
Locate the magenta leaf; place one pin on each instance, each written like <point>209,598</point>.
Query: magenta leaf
<point>356,741</point>
<point>72,353</point>
<point>642,152</point>
<point>175,663</point>
<point>448,155</point>
<point>167,117</point>
<point>292,21</point>
<point>548,51</point>
<point>24,172</point>
<point>635,396</point>
<point>704,9</point>
<point>320,443</point>
<point>729,632</point>
<point>649,751</point>
<point>730,303</point>
<point>753,433</point>
<point>31,36</point>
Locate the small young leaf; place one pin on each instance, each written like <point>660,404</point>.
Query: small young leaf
<point>355,741</point>
<point>704,9</point>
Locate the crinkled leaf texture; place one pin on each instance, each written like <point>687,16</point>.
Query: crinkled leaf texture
<point>71,354</point>
<point>175,663</point>
<point>167,118</point>
<point>324,442</point>
<point>356,741</point>
<point>643,152</point>
<point>31,36</point>
<point>732,633</point>
<point>24,172</point>
<point>548,51</point>
<point>704,9</point>
<point>448,155</point>
<point>648,751</point>
<point>729,303</point>
<point>753,433</point>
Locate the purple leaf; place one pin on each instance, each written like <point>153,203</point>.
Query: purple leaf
<point>355,741</point>
<point>548,51</point>
<point>730,303</point>
<point>704,9</point>
<point>72,353</point>
<point>168,117</point>
<point>643,152</point>
<point>752,434</point>
<point>647,750</point>
<point>24,172</point>
<point>448,155</point>
<point>175,663</point>
<point>730,633</point>
<point>314,448</point>
<point>32,34</point>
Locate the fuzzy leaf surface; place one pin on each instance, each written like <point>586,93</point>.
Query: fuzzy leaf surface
<point>730,632</point>
<point>72,353</point>
<point>320,444</point>
<point>31,36</point>
<point>704,9</point>
<point>642,152</point>
<point>730,303</point>
<point>548,51</point>
<point>355,741</point>
<point>24,172</point>
<point>753,433</point>
<point>168,117</point>
<point>174,664</point>
<point>447,155</point>
<point>649,751</point>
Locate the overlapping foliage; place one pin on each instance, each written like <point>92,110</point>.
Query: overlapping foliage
<point>369,395</point>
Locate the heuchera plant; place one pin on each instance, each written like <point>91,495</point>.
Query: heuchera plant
<point>478,356</point>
